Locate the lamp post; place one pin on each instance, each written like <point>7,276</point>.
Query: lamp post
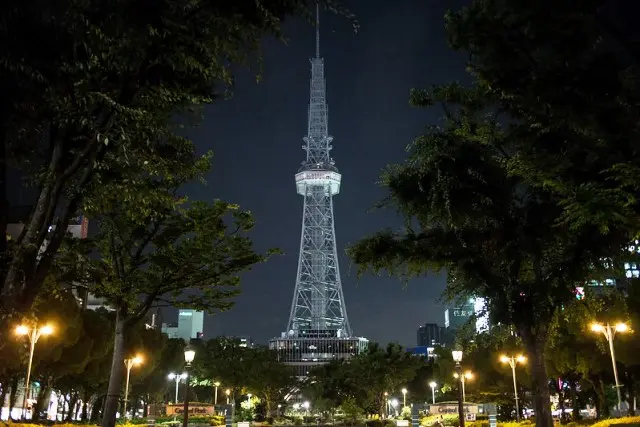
<point>215,393</point>
<point>34,335</point>
<point>249,399</point>
<point>189,354</point>
<point>227,392</point>
<point>177,378</point>
<point>609,333</point>
<point>433,385</point>
<point>463,379</point>
<point>513,361</point>
<point>457,357</point>
<point>129,363</point>
<point>404,398</point>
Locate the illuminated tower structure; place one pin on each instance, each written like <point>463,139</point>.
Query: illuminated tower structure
<point>318,330</point>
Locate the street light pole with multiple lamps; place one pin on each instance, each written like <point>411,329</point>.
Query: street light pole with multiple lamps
<point>129,363</point>
<point>513,361</point>
<point>609,333</point>
<point>177,378</point>
<point>463,379</point>
<point>34,334</point>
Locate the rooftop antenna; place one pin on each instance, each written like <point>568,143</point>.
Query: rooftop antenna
<point>317,29</point>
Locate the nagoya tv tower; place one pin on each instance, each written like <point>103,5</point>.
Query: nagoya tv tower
<point>318,330</point>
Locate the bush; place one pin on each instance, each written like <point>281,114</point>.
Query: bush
<point>374,423</point>
<point>624,421</point>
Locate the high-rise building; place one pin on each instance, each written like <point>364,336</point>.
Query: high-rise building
<point>318,330</point>
<point>429,335</point>
<point>190,325</point>
<point>461,314</point>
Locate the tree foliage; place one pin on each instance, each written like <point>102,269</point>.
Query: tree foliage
<point>91,92</point>
<point>507,194</point>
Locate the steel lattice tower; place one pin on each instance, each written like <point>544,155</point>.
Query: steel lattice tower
<point>318,307</point>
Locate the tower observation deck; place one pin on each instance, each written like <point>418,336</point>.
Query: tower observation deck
<point>318,330</point>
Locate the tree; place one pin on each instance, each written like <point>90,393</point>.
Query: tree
<point>270,379</point>
<point>364,379</point>
<point>572,97</point>
<point>497,236</point>
<point>91,90</point>
<point>179,255</point>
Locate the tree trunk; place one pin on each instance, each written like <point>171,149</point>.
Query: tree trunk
<point>96,408</point>
<point>116,375</point>
<point>13,395</point>
<point>575,414</point>
<point>73,400</point>
<point>3,394</point>
<point>86,396</point>
<point>535,344</point>
<point>43,398</point>
<point>603,410</point>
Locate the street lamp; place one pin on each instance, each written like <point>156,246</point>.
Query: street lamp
<point>609,333</point>
<point>513,361</point>
<point>463,379</point>
<point>404,397</point>
<point>249,399</point>
<point>227,392</point>
<point>433,386</point>
<point>215,394</point>
<point>457,357</point>
<point>129,363</point>
<point>34,335</point>
<point>394,405</point>
<point>189,355</point>
<point>177,378</point>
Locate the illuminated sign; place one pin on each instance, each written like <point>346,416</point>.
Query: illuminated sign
<point>193,410</point>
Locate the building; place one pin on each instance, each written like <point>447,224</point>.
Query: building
<point>318,330</point>
<point>430,335</point>
<point>243,340</point>
<point>190,325</point>
<point>459,315</point>
<point>462,314</point>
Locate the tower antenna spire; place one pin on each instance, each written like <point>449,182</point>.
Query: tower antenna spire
<point>317,29</point>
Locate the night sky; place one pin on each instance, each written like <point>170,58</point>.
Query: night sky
<point>257,137</point>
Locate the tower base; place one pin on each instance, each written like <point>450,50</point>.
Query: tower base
<point>305,353</point>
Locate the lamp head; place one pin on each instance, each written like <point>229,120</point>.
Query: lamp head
<point>137,360</point>
<point>457,356</point>
<point>172,376</point>
<point>46,330</point>
<point>404,391</point>
<point>189,354</point>
<point>227,392</point>
<point>455,375</point>
<point>504,359</point>
<point>432,384</point>
<point>468,375</point>
<point>597,327</point>
<point>22,330</point>
<point>217,383</point>
<point>622,327</point>
<point>521,359</point>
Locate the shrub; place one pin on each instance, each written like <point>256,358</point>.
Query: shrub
<point>624,421</point>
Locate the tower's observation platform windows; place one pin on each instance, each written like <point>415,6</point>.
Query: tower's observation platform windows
<point>318,178</point>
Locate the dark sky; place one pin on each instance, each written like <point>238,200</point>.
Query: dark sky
<point>257,139</point>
